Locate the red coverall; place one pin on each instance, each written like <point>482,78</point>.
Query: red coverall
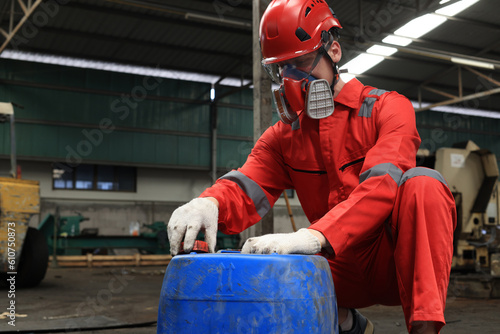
<point>390,225</point>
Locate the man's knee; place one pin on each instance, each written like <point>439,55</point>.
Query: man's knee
<point>429,191</point>
<point>427,187</point>
<point>422,176</point>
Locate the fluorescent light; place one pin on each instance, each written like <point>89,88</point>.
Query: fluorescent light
<point>397,40</point>
<point>382,50</point>
<point>122,68</point>
<point>442,2</point>
<point>212,93</point>
<point>456,8</point>
<point>474,63</point>
<point>460,110</point>
<point>362,63</point>
<point>420,26</point>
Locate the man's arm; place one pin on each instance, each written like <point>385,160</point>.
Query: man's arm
<point>245,195</point>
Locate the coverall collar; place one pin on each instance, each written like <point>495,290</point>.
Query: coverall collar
<point>350,94</point>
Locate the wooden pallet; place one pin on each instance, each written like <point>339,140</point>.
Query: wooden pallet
<point>90,260</point>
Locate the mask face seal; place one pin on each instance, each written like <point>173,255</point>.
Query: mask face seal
<point>287,115</point>
<point>319,99</point>
<point>290,98</point>
<point>299,90</point>
<point>308,93</point>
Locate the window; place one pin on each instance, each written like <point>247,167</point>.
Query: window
<point>84,177</point>
<point>94,177</point>
<point>106,178</point>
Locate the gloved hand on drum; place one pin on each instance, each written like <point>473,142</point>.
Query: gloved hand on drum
<point>301,242</point>
<point>200,214</point>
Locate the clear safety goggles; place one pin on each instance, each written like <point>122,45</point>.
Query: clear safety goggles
<point>290,68</point>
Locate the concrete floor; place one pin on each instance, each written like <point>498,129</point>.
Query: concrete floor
<point>70,300</point>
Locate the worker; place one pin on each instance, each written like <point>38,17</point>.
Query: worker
<point>349,151</point>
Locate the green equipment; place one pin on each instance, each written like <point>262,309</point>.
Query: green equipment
<point>65,237</point>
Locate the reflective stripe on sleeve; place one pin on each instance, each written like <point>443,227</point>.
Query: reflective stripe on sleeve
<point>421,171</point>
<point>382,169</point>
<point>252,189</point>
<point>367,106</point>
<point>377,92</point>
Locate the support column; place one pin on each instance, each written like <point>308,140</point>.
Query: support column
<point>213,129</point>
<point>262,109</point>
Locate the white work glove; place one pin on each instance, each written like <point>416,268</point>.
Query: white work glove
<point>300,242</point>
<point>200,214</point>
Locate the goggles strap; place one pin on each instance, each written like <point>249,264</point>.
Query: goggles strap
<point>321,53</point>
<point>334,64</point>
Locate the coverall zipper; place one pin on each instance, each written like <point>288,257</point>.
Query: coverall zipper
<point>351,163</point>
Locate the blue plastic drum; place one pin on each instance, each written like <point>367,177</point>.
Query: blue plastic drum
<point>240,293</point>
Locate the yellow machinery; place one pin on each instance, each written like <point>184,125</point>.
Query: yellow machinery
<point>472,175</point>
<point>23,249</point>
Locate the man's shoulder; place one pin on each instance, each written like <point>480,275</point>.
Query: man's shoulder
<point>375,92</point>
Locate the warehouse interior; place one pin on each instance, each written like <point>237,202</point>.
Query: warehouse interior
<point>123,110</point>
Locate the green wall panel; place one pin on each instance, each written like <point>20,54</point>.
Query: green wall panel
<point>158,121</point>
<point>243,96</point>
<point>76,107</point>
<point>5,138</point>
<point>74,147</point>
<point>438,129</point>
<point>238,121</point>
<point>101,80</point>
<point>152,120</point>
<point>235,122</point>
<point>232,154</point>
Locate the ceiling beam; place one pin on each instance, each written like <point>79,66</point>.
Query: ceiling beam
<point>479,74</point>
<point>396,23</point>
<point>431,45</point>
<point>461,99</point>
<point>27,9</point>
<point>446,55</point>
<point>188,14</point>
<point>442,56</point>
<point>133,15</point>
<point>470,22</point>
<point>135,42</point>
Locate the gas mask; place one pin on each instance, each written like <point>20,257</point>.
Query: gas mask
<point>300,91</point>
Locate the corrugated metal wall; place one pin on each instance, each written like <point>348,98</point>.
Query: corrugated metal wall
<point>234,127</point>
<point>439,129</point>
<point>73,115</point>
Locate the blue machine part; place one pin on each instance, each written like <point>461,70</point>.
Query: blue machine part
<point>242,293</point>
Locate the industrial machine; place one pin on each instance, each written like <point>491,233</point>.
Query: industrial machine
<point>472,175</point>
<point>65,236</point>
<point>23,249</point>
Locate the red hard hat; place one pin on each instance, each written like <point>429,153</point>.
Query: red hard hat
<point>291,28</point>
